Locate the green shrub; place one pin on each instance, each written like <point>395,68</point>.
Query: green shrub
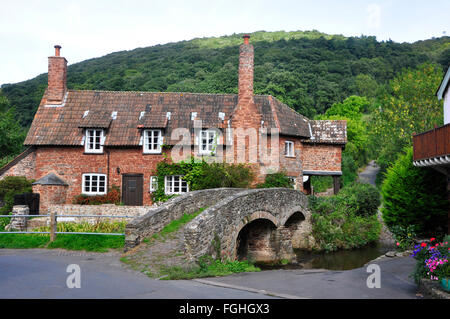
<point>86,227</point>
<point>217,175</point>
<point>347,220</point>
<point>360,199</point>
<point>278,179</point>
<point>208,267</point>
<point>10,186</point>
<point>405,237</point>
<point>349,169</point>
<point>112,197</point>
<point>321,183</point>
<point>202,175</point>
<point>415,196</point>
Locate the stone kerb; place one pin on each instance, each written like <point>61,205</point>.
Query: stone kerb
<point>156,218</point>
<point>227,217</point>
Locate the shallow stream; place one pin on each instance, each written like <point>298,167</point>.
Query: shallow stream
<point>339,260</point>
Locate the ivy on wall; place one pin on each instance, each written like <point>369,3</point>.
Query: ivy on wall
<point>199,174</point>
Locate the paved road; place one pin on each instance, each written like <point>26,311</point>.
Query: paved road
<point>369,174</point>
<point>326,284</point>
<point>41,273</point>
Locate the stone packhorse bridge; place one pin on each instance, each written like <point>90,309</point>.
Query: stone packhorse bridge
<point>260,224</point>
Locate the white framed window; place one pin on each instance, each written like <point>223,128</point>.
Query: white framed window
<point>94,184</point>
<point>174,184</point>
<point>289,149</point>
<point>94,141</point>
<point>208,142</point>
<point>152,141</point>
<point>153,183</point>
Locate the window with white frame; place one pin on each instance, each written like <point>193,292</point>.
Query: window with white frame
<point>208,142</point>
<point>174,184</point>
<point>153,183</point>
<point>94,141</point>
<point>289,149</point>
<point>94,184</point>
<point>152,141</point>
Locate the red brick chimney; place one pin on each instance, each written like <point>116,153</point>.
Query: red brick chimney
<point>57,78</point>
<point>246,57</point>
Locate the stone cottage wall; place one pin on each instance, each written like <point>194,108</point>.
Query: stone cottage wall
<point>22,165</point>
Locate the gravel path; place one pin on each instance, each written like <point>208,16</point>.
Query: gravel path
<point>369,175</point>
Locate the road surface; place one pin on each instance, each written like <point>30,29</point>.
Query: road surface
<point>41,273</point>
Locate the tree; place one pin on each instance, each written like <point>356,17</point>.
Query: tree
<point>11,134</point>
<point>410,107</point>
<point>414,196</point>
<point>351,111</point>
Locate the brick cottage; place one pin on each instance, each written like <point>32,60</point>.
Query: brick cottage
<point>84,142</point>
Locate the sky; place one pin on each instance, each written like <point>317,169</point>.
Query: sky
<point>92,28</point>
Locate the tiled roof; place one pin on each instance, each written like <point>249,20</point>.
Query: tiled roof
<point>123,114</point>
<point>328,132</point>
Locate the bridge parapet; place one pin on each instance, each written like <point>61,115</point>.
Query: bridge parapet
<point>156,218</point>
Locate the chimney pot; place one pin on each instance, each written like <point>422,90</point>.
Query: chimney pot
<point>57,50</point>
<point>246,38</point>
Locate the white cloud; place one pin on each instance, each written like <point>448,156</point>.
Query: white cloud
<point>374,16</point>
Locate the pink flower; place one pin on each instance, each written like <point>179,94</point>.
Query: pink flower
<point>398,244</point>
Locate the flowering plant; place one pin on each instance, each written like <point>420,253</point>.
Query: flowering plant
<point>432,260</point>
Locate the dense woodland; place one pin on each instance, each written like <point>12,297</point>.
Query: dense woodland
<point>309,71</point>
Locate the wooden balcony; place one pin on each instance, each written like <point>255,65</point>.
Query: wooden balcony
<point>432,144</point>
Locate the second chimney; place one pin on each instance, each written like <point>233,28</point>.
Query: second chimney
<point>245,84</point>
<point>57,78</point>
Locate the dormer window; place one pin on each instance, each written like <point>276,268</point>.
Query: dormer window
<point>152,141</point>
<point>94,141</point>
<point>208,142</point>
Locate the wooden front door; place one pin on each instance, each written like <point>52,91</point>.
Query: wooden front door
<point>132,189</point>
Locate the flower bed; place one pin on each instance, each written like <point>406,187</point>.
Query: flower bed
<point>432,260</point>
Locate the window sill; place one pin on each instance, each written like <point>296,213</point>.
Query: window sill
<point>152,153</point>
<point>93,153</point>
<point>289,156</point>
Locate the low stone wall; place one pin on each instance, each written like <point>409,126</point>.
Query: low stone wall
<point>226,218</point>
<point>156,218</point>
<point>101,210</point>
<point>430,289</point>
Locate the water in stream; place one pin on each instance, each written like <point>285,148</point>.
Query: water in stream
<point>339,260</point>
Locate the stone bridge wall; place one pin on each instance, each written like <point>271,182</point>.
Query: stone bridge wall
<point>156,218</point>
<point>226,218</point>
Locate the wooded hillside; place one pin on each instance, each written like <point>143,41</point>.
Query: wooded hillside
<point>309,70</point>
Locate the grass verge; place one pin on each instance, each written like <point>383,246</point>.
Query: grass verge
<point>174,226</point>
<point>95,243</point>
<point>207,267</point>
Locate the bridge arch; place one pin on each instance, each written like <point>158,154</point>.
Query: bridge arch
<point>254,239</point>
<point>226,219</point>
